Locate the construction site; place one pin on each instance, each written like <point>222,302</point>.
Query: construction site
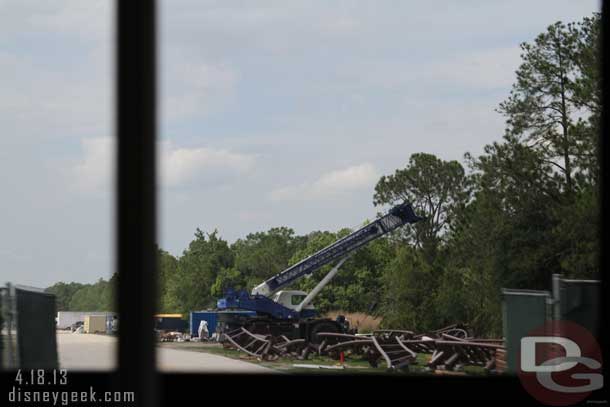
<point>280,330</point>
<point>229,200</point>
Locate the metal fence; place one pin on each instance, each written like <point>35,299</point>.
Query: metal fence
<point>8,329</point>
<point>523,311</point>
<point>27,328</point>
<point>578,301</point>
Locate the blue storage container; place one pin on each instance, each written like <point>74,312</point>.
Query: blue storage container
<point>171,324</point>
<point>212,319</point>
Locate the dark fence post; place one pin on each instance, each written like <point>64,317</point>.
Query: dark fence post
<point>136,208</point>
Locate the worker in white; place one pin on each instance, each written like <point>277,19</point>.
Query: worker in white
<point>203,331</point>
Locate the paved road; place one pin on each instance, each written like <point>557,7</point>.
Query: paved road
<point>97,352</point>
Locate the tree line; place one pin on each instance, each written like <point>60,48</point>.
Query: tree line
<point>526,208</point>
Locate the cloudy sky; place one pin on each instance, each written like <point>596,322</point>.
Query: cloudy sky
<point>279,114</point>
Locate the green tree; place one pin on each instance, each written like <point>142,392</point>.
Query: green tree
<point>513,212</point>
<point>554,83</point>
<point>409,292</point>
<point>168,273</point>
<point>263,254</point>
<point>469,288</point>
<point>63,294</point>
<point>578,221</point>
<point>198,268</point>
<point>471,296</point>
<point>93,297</point>
<point>577,231</point>
<point>546,170</point>
<point>435,188</point>
<point>228,278</point>
<point>587,97</point>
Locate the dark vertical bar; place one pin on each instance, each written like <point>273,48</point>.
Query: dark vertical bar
<point>136,120</point>
<point>603,153</point>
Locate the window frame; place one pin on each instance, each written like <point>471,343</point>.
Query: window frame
<point>136,123</point>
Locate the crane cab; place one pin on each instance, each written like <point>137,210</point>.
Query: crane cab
<point>291,299</point>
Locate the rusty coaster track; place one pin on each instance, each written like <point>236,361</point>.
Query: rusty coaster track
<point>450,354</point>
<point>455,330</point>
<point>450,348</point>
<point>396,354</point>
<point>335,343</point>
<point>420,345</point>
<point>388,334</point>
<point>259,346</point>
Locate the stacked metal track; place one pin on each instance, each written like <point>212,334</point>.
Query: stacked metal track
<point>387,334</point>
<point>395,353</point>
<point>455,330</point>
<point>452,354</point>
<point>450,348</point>
<point>420,345</point>
<point>335,343</point>
<point>259,346</point>
<point>267,347</point>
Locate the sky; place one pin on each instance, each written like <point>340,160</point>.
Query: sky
<point>272,113</point>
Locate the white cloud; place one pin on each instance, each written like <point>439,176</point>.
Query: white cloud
<point>330,185</point>
<point>287,81</point>
<point>179,166</point>
<point>93,172</point>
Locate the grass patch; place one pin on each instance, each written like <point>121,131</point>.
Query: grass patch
<point>363,322</point>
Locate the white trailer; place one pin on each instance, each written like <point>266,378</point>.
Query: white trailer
<point>66,318</point>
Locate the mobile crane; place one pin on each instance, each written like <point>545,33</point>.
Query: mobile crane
<point>290,312</point>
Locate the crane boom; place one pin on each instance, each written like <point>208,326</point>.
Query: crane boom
<point>398,216</point>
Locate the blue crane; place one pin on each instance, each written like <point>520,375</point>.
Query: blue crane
<point>277,307</point>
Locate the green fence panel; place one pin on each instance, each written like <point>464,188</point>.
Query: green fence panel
<point>36,336</point>
<point>578,301</point>
<point>522,311</point>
